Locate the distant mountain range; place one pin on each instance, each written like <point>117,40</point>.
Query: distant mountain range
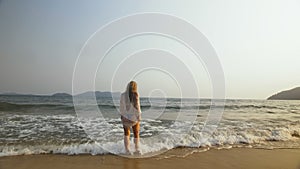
<point>85,94</point>
<point>293,94</point>
<point>99,94</point>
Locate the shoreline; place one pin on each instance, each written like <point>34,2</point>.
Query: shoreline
<point>247,158</point>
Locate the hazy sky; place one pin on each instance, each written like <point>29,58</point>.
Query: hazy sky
<point>257,42</point>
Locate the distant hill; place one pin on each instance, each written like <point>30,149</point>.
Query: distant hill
<point>10,94</point>
<point>99,94</point>
<point>15,94</point>
<point>293,94</point>
<point>88,94</point>
<point>61,95</point>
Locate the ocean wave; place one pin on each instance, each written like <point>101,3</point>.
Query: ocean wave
<point>251,106</point>
<point>53,127</point>
<point>4,106</point>
<point>195,106</point>
<point>7,106</point>
<point>117,148</point>
<point>156,136</point>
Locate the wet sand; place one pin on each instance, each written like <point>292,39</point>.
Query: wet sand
<point>236,158</point>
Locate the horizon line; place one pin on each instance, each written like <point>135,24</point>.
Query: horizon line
<point>51,94</point>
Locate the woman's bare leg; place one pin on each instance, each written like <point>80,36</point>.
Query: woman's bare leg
<point>136,133</point>
<point>127,138</point>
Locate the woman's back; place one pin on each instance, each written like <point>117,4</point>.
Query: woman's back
<point>130,109</point>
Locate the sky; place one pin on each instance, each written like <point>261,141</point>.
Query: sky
<point>257,43</point>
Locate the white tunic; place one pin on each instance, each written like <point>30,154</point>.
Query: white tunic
<point>132,114</point>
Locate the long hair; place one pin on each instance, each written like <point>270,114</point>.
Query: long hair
<point>131,95</point>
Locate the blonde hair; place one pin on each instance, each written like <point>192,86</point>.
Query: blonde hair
<point>132,94</point>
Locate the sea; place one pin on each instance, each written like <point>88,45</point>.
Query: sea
<point>32,124</point>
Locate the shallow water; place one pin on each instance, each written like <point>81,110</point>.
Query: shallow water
<point>42,124</point>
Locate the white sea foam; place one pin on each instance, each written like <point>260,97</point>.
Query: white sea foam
<point>244,124</point>
<point>170,138</point>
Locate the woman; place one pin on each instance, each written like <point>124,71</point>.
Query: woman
<point>130,112</point>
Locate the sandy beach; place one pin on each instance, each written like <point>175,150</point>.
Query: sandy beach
<point>227,158</point>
